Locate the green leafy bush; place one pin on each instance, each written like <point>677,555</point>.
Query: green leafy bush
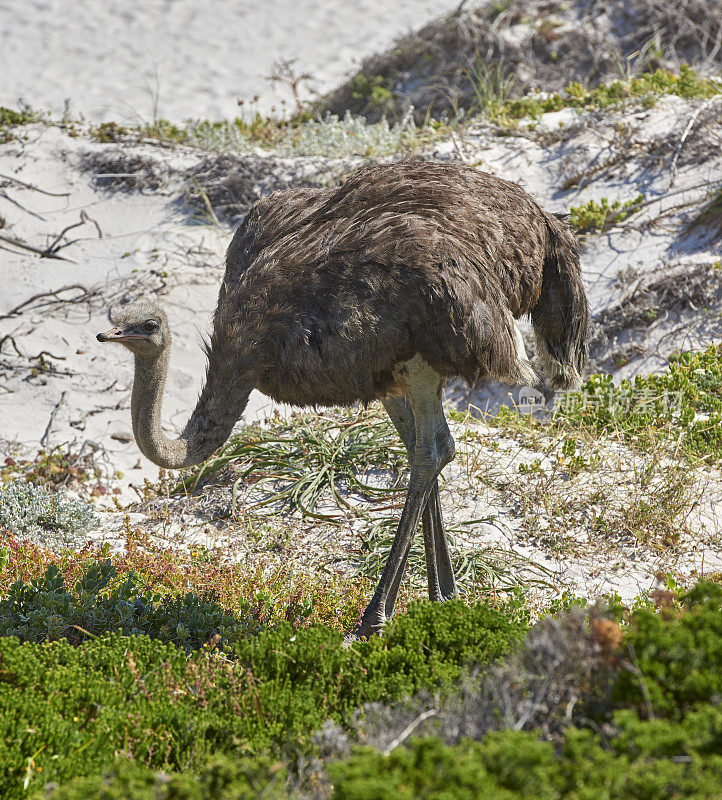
<point>258,592</point>
<point>598,216</point>
<point>243,778</point>
<point>371,88</point>
<point>647,87</point>
<point>645,761</point>
<point>74,715</point>
<point>683,404</point>
<point>678,659</point>
<point>650,760</point>
<point>65,711</point>
<point>44,610</point>
<point>10,118</point>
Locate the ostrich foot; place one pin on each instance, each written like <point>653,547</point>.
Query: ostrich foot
<point>370,624</point>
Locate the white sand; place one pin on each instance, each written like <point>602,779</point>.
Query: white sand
<point>206,56</point>
<point>147,232</point>
<point>191,58</point>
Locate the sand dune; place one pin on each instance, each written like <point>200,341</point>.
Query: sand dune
<point>185,58</point>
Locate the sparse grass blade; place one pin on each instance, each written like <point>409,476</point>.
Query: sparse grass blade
<point>482,569</point>
<point>299,461</point>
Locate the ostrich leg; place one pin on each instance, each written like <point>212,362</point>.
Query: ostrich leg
<point>442,584</point>
<point>433,449</point>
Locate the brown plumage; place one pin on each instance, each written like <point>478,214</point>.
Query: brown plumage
<point>330,289</point>
<point>408,274</point>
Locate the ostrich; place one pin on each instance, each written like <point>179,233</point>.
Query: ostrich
<point>408,274</point>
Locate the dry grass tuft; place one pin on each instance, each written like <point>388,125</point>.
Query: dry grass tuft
<point>119,170</point>
<point>453,62</point>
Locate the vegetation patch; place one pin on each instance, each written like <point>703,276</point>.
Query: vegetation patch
<point>600,215</point>
<point>49,518</point>
<point>117,170</point>
<point>535,44</point>
<point>45,610</point>
<point>302,458</point>
<point>639,762</point>
<point>647,87</point>
<point>164,708</point>
<point>331,136</point>
<point>260,590</point>
<point>583,708</point>
<point>11,118</point>
<point>372,89</point>
<point>682,406</point>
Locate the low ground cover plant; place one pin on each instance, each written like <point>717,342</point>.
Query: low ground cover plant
<point>262,591</point>
<point>308,455</point>
<point>11,118</point>
<point>101,719</point>
<point>66,710</point>
<point>680,408</point>
<point>49,518</point>
<point>45,610</point>
<point>335,136</point>
<point>598,216</point>
<point>682,405</point>
<point>647,87</point>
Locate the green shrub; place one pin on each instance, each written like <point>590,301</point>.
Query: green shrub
<point>514,765</point>
<point>647,87</point>
<point>10,118</point>
<point>44,610</point>
<point>65,711</point>
<point>74,715</point>
<point>598,216</point>
<point>678,658</point>
<point>655,760</point>
<point>243,778</point>
<point>683,404</point>
<point>371,88</point>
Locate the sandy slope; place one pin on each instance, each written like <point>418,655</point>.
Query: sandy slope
<point>147,246</point>
<point>151,244</point>
<point>195,57</point>
<point>61,387</point>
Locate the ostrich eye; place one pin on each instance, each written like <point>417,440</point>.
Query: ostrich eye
<point>151,325</point>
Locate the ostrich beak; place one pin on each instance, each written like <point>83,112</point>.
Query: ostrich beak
<point>119,334</point>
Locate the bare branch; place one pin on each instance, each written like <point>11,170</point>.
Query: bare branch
<point>44,438</point>
<point>34,188</point>
<point>25,246</point>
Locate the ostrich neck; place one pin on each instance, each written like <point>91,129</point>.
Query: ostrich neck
<point>218,409</point>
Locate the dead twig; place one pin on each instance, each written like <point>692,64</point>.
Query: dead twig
<point>46,353</point>
<point>686,133</point>
<point>51,250</point>
<point>408,730</point>
<point>24,246</point>
<point>285,74</point>
<point>12,200</point>
<point>651,201</point>
<point>53,413</point>
<point>84,294</point>
<point>34,188</point>
<point>11,339</point>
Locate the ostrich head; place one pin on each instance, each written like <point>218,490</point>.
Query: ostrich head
<point>142,327</point>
